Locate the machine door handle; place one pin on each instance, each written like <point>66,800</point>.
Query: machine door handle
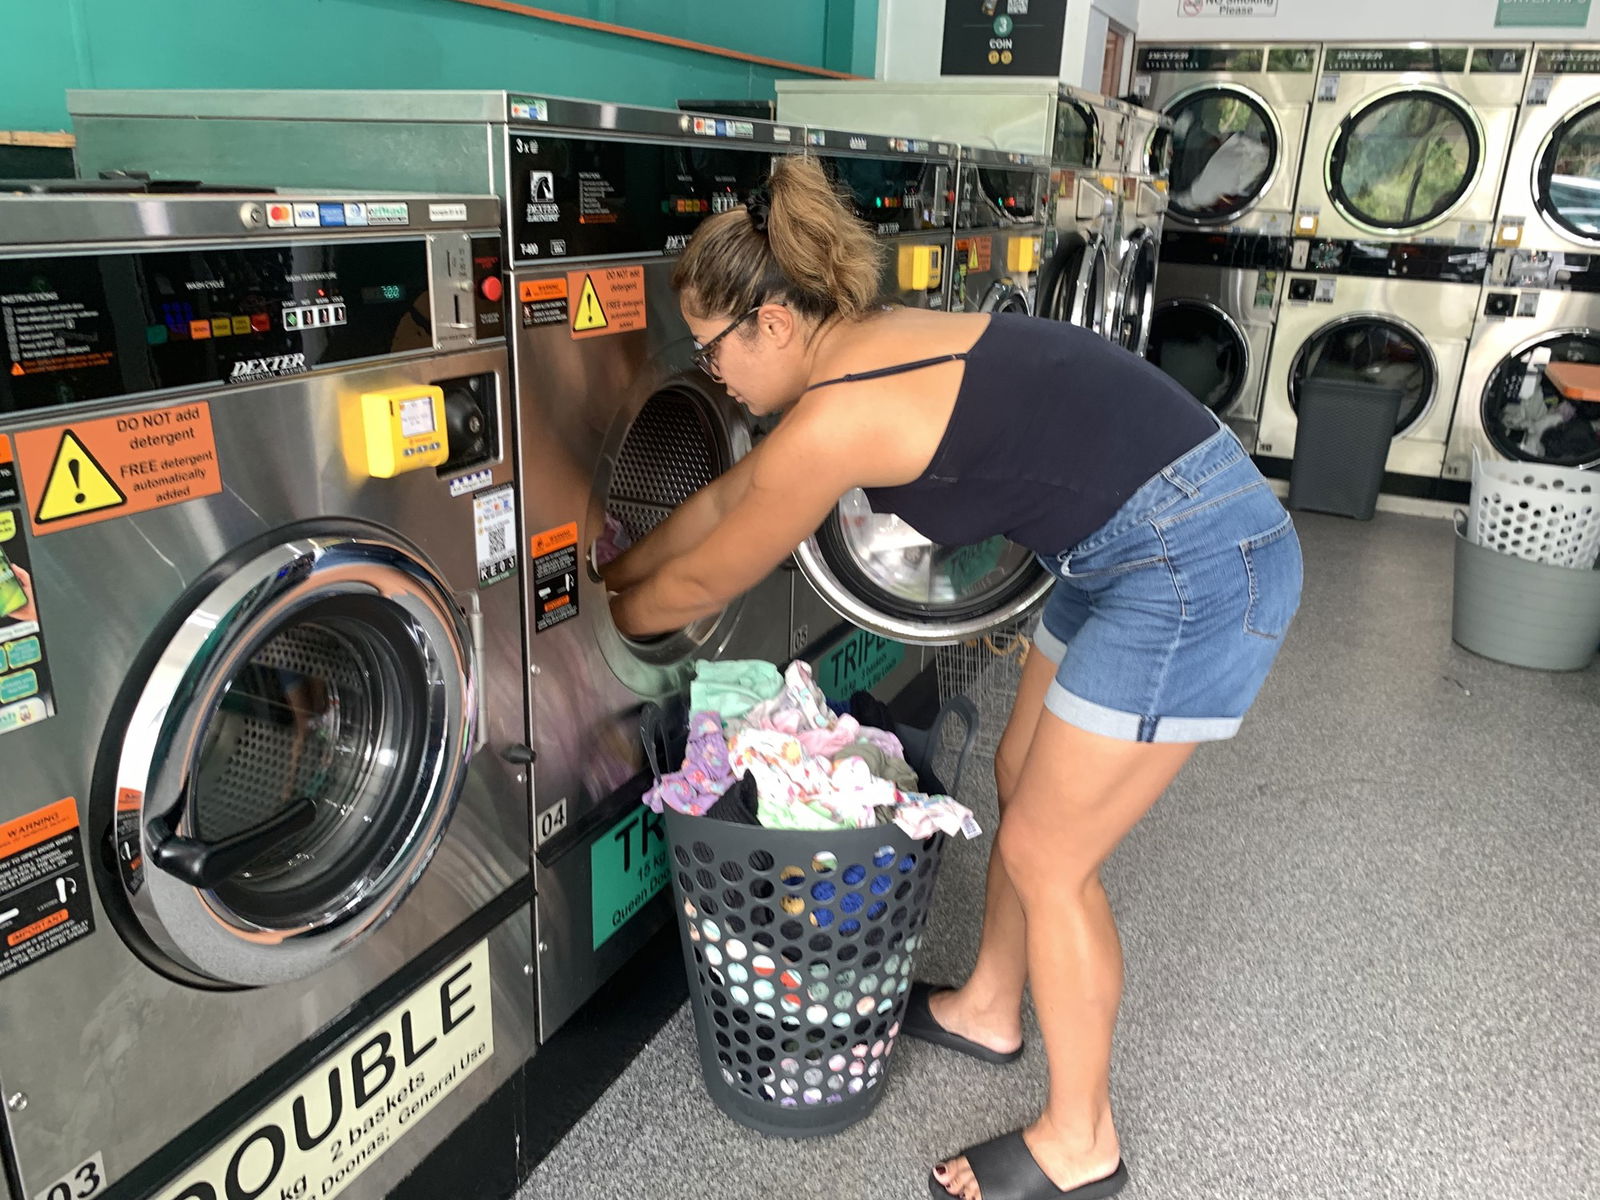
<point>207,864</point>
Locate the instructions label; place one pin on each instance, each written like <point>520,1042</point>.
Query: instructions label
<point>116,466</point>
<point>555,576</point>
<point>627,867</point>
<point>494,523</point>
<point>609,300</point>
<point>44,886</point>
<point>317,1138</point>
<point>25,690</point>
<point>544,302</point>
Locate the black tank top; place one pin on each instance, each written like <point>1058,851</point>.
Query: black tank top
<point>1053,430</point>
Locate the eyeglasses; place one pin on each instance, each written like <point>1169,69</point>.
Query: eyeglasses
<point>705,357</point>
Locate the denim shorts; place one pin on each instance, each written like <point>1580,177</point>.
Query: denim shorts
<point>1164,622</point>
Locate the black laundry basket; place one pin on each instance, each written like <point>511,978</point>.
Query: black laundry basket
<point>799,949</point>
<point>1341,443</point>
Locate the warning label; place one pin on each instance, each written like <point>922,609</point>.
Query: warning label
<point>544,302</point>
<point>977,253</point>
<point>44,886</point>
<point>25,689</point>
<point>609,300</point>
<point>555,576</point>
<point>115,466</point>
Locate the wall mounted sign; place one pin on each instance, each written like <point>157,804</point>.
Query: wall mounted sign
<point>1003,37</point>
<point>1566,14</point>
<point>1227,8</point>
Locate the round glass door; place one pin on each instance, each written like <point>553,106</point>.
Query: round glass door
<point>1567,180</point>
<point>1404,160</point>
<point>1371,352</point>
<point>1224,147</point>
<point>1525,416</point>
<point>1077,135</point>
<point>293,758</point>
<point>1202,348</point>
<point>1136,303</point>
<point>879,572</point>
<point>1072,286</point>
<point>1004,296</point>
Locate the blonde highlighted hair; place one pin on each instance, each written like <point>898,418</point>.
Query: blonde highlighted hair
<point>795,241</point>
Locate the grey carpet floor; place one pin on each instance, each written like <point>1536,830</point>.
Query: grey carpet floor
<point>1363,946</point>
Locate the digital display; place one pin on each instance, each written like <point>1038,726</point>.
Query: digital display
<point>416,417</point>
<point>383,293</point>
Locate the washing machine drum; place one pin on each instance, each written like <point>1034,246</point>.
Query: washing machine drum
<point>1526,418</point>
<point>293,749</point>
<point>1567,181</point>
<point>1203,348</point>
<point>1375,352</point>
<point>1223,150</point>
<point>1405,159</point>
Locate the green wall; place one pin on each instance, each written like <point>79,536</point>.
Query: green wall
<point>47,46</point>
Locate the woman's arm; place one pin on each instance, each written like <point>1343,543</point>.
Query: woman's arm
<point>687,525</point>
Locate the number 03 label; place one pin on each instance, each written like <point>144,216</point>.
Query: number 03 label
<point>87,1179</point>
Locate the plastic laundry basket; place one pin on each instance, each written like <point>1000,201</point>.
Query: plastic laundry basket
<point>1541,513</point>
<point>799,948</point>
<point>1528,614</point>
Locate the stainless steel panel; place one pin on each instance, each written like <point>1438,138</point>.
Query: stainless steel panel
<point>94,1011</point>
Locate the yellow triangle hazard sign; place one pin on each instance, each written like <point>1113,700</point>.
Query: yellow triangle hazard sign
<point>588,313</point>
<point>16,369</point>
<point>77,484</point>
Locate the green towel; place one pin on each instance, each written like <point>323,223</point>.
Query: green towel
<point>731,689</point>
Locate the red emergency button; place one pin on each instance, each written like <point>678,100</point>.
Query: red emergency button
<point>492,289</point>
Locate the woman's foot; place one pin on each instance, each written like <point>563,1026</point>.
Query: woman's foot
<point>1068,1163</point>
<point>994,1028</point>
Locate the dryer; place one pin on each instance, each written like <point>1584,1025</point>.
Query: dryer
<point>1551,198</point>
<point>1539,309</point>
<point>611,418</point>
<point>1217,303</point>
<point>1001,203</point>
<point>264,836</point>
<point>1238,116</point>
<point>1141,212</point>
<point>1408,142</point>
<point>1386,314</point>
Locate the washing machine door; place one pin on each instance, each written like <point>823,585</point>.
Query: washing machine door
<point>1079,135</point>
<point>1566,181</point>
<point>1203,348</point>
<point>1378,351</point>
<point>1224,149</point>
<point>1004,296</point>
<point>1136,300</point>
<point>293,756</point>
<point>1403,160</point>
<point>1072,286</point>
<point>877,571</point>
<point>1526,418</point>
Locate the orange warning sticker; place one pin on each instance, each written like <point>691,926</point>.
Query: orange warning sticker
<point>38,826</point>
<point>115,466</point>
<point>552,540</point>
<point>977,252</point>
<point>606,300</point>
<point>531,291</point>
<point>59,917</point>
<point>44,886</point>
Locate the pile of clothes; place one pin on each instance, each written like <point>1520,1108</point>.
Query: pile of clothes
<point>768,749</point>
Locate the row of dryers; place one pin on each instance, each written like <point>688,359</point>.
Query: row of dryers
<point>1416,218</point>
<point>322,751</point>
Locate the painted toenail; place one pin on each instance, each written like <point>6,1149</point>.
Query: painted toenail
<point>940,1170</point>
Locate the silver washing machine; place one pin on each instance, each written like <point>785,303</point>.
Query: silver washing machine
<point>1080,280</point>
<point>1238,117</point>
<point>1539,309</point>
<point>264,841</point>
<point>1217,304</point>
<point>1409,141</point>
<point>1551,199</point>
<point>611,416</point>
<point>1391,315</point>
<point>1141,213</point>
<point>1002,201</point>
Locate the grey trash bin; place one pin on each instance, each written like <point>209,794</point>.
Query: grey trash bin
<point>1344,428</point>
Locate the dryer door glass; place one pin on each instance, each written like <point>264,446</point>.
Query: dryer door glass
<point>1404,161</point>
<point>1224,146</point>
<point>1077,135</point>
<point>1137,302</point>
<point>1526,417</point>
<point>1202,348</point>
<point>1567,186</point>
<point>879,572</point>
<point>293,757</point>
<point>1373,352</point>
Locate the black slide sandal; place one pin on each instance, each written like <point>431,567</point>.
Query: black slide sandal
<point>1005,1169</point>
<point>919,1023</point>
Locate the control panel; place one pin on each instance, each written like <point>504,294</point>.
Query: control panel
<point>894,195</point>
<point>996,196</point>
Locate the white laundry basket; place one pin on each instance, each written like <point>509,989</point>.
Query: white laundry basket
<point>1544,514</point>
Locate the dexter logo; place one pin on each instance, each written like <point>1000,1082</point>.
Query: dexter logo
<point>266,368</point>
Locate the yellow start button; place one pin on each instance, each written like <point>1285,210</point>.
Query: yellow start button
<point>921,268</point>
<point>403,430</point>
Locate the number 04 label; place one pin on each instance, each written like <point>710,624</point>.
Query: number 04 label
<point>85,1180</point>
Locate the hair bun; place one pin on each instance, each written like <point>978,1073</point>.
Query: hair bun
<point>759,208</point>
